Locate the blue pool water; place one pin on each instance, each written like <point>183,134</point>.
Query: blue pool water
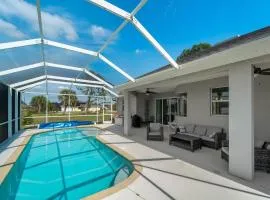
<point>65,124</point>
<point>64,164</point>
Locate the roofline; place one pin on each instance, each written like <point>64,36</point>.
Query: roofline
<point>218,47</point>
<point>248,49</point>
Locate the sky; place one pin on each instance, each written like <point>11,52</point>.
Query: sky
<point>176,25</point>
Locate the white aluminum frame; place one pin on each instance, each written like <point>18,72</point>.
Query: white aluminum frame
<point>65,83</point>
<point>69,116</point>
<point>71,48</point>
<point>22,68</point>
<point>132,19</point>
<point>44,77</point>
<point>37,65</point>
<point>129,17</point>
<point>21,43</point>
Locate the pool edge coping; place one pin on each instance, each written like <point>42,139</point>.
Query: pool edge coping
<point>7,166</point>
<point>122,185</point>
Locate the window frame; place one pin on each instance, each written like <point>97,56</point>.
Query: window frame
<point>218,101</point>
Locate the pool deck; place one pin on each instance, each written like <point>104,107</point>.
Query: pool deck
<point>160,176</point>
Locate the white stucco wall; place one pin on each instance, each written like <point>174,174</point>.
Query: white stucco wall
<point>198,103</point>
<point>141,100</point>
<point>262,107</point>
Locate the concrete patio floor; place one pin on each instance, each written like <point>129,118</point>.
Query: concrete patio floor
<point>205,158</point>
<point>163,175</point>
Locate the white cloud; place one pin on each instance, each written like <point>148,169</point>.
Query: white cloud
<point>54,25</point>
<point>139,51</point>
<point>99,33</point>
<point>63,87</point>
<point>10,30</point>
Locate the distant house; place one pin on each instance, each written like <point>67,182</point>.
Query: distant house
<point>81,107</point>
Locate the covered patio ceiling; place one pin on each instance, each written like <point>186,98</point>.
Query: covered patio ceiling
<point>43,71</point>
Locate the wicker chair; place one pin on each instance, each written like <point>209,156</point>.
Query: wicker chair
<point>261,156</point>
<point>154,131</point>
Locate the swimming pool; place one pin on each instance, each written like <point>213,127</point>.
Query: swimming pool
<point>64,164</point>
<point>64,124</point>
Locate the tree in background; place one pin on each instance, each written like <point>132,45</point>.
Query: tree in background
<point>192,51</point>
<point>27,118</point>
<point>38,103</point>
<point>64,98</point>
<point>92,93</point>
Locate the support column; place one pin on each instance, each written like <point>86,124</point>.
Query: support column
<point>127,113</point>
<point>16,112</point>
<point>130,108</point>
<point>9,112</point>
<point>241,121</point>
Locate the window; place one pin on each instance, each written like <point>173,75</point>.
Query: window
<point>220,101</point>
<point>168,108</point>
<point>182,105</point>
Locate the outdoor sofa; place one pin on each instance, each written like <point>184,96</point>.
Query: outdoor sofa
<point>210,136</point>
<point>261,154</point>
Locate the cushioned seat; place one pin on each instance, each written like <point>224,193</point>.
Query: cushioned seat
<point>189,134</point>
<point>207,138</point>
<point>211,136</point>
<point>154,131</point>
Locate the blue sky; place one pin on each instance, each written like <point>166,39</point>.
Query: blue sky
<point>176,24</point>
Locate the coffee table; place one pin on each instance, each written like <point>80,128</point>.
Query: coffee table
<point>185,141</point>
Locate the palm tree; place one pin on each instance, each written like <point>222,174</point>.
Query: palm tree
<point>38,103</point>
<point>64,96</point>
<point>90,92</point>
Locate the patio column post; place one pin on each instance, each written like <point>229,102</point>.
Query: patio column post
<point>241,121</point>
<point>9,112</point>
<point>16,111</point>
<point>127,113</point>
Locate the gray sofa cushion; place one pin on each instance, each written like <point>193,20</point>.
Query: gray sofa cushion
<point>190,134</point>
<point>199,130</point>
<point>207,138</point>
<point>189,128</point>
<point>211,131</point>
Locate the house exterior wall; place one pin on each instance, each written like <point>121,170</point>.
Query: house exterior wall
<point>198,102</point>
<point>262,107</point>
<point>120,106</point>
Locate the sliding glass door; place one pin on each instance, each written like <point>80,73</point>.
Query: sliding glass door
<point>168,108</point>
<point>159,111</point>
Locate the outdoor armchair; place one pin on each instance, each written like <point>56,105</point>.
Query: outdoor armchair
<point>154,131</point>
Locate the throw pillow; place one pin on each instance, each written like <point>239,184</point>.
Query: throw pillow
<point>212,135</point>
<point>258,143</point>
<point>182,129</point>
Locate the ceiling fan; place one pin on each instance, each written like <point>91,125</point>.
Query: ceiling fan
<point>258,70</point>
<point>149,92</point>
